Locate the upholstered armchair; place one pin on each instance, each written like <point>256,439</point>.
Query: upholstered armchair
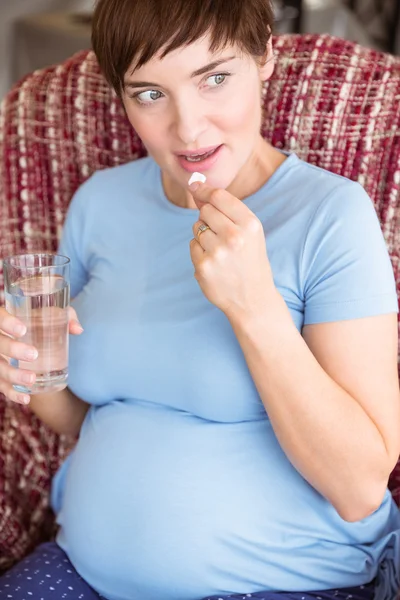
<point>332,102</point>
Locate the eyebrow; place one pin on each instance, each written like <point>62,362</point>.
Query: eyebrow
<point>202,71</point>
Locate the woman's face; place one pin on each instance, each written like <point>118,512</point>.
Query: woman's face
<point>197,111</point>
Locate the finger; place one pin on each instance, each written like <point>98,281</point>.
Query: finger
<point>14,396</point>
<point>13,349</point>
<point>11,325</point>
<point>74,325</point>
<point>12,375</point>
<point>6,388</point>
<point>225,202</point>
<point>219,223</point>
<point>205,237</point>
<point>196,252</point>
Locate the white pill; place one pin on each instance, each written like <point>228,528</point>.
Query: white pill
<point>197,177</point>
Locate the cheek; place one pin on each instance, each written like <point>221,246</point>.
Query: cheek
<point>242,114</point>
<point>148,129</point>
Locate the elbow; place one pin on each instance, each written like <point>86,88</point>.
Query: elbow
<point>362,506</point>
<point>357,513</point>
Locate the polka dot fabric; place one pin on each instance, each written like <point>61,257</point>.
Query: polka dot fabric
<point>364,592</point>
<point>47,574</point>
<point>332,102</point>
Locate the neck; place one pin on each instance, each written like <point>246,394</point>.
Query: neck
<point>261,165</point>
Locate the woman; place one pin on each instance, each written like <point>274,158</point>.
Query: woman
<point>238,424</point>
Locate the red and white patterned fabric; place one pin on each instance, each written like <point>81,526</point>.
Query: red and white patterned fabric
<point>332,102</point>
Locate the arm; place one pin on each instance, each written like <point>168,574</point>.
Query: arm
<point>61,411</point>
<point>332,398</point>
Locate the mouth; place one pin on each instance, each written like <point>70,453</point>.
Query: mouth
<point>200,160</point>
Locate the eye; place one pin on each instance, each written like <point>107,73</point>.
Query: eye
<point>148,97</point>
<point>217,80</point>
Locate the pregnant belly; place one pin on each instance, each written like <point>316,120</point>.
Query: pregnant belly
<point>160,504</point>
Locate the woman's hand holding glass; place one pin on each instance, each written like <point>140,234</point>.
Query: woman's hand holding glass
<point>11,348</point>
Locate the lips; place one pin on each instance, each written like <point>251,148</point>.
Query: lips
<point>199,160</point>
<point>198,152</point>
<point>198,157</point>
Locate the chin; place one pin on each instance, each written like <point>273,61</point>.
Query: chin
<point>220,181</point>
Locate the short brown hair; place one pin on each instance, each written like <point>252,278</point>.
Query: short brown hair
<point>127,32</point>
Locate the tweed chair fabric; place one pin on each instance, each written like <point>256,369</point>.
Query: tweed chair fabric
<point>332,102</point>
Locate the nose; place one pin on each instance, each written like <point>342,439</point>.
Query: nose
<point>190,121</point>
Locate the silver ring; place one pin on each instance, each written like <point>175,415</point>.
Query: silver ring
<point>202,228</point>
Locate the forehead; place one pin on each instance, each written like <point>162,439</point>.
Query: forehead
<point>186,59</point>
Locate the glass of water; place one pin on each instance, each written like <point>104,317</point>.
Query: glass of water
<point>37,292</point>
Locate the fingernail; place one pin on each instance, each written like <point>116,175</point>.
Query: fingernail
<point>78,325</point>
<point>19,330</point>
<point>27,378</point>
<point>31,354</point>
<point>193,187</point>
<point>24,399</point>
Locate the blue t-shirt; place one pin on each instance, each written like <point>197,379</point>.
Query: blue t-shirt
<point>178,487</point>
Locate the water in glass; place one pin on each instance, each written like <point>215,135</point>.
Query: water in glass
<point>41,303</point>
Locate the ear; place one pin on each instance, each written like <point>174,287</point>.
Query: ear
<point>267,62</point>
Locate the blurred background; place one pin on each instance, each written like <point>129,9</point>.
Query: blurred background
<point>38,33</point>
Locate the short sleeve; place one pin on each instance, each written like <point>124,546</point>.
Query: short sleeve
<point>346,268</point>
<point>73,237</point>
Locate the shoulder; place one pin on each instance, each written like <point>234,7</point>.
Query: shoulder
<point>128,174</point>
<point>313,172</point>
<point>332,199</point>
<point>114,186</point>
<point>135,168</point>
<point>345,272</point>
<point>306,193</point>
<point>343,223</point>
